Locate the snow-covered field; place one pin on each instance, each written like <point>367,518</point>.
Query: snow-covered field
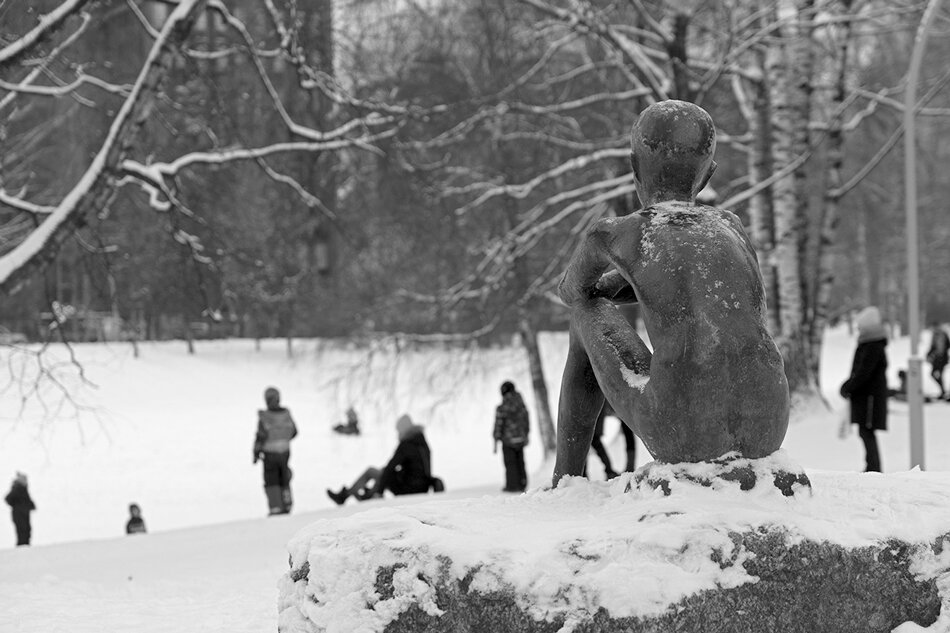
<point>173,433</point>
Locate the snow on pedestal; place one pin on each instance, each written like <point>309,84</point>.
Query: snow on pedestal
<point>863,552</point>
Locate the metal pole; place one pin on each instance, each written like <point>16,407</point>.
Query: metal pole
<point>915,399</point>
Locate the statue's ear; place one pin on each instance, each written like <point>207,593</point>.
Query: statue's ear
<point>634,165</point>
<point>705,180</point>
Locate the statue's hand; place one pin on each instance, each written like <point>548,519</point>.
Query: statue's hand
<point>614,287</point>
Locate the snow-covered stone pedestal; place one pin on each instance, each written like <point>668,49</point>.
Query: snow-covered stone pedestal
<point>861,553</point>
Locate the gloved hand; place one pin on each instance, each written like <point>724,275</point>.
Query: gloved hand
<point>257,456</point>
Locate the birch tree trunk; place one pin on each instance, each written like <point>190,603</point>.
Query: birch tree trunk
<point>824,273</point>
<point>757,109</point>
<point>789,65</point>
<point>545,424</point>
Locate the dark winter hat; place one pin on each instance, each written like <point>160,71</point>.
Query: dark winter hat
<point>507,387</point>
<point>134,507</point>
<point>271,397</point>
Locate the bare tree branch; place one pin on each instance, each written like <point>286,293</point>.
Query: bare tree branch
<point>47,25</point>
<point>24,205</point>
<point>47,60</point>
<point>96,187</point>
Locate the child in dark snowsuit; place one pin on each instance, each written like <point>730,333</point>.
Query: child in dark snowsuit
<point>352,426</point>
<point>408,471</point>
<point>136,524</point>
<point>511,429</point>
<point>275,429</point>
<point>20,505</point>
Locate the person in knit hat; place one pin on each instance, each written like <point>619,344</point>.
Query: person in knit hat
<point>275,429</point>
<point>21,504</point>
<point>408,471</point>
<point>866,387</point>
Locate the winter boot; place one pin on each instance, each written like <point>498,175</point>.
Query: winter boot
<point>338,497</point>
<point>274,500</point>
<point>287,501</point>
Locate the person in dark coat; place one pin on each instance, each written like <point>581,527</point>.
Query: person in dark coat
<point>275,429</point>
<point>937,355</point>
<point>866,387</point>
<point>20,507</point>
<point>135,524</point>
<point>511,430</point>
<point>409,471</point>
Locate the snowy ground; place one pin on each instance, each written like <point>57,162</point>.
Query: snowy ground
<point>173,433</point>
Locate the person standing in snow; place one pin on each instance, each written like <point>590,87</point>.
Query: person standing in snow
<point>20,507</point>
<point>866,387</point>
<point>408,471</point>
<point>937,355</point>
<point>511,430</point>
<point>275,429</point>
<point>135,524</point>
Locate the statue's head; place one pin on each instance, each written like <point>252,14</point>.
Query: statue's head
<point>672,147</point>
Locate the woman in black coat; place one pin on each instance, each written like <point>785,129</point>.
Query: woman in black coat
<point>867,385</point>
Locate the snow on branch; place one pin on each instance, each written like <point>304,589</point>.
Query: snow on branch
<point>501,254</point>
<point>370,120</point>
<point>889,144</point>
<point>23,205</point>
<point>95,188</point>
<point>524,189</point>
<point>586,21</point>
<point>42,66</point>
<point>311,200</point>
<point>65,89</point>
<point>160,171</point>
<point>47,25</point>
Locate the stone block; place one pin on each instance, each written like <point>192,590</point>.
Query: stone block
<point>861,554</point>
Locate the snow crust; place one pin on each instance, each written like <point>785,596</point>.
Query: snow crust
<point>587,545</point>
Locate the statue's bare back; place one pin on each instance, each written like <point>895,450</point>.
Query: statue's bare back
<point>714,382</point>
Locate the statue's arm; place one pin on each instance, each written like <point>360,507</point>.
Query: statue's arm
<point>587,275</point>
<point>614,287</point>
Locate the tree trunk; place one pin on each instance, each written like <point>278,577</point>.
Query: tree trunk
<point>545,424</point>
<point>789,93</point>
<point>761,213</point>
<point>189,338</point>
<point>824,273</point>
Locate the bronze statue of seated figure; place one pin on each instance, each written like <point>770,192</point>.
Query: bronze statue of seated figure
<point>714,383</point>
